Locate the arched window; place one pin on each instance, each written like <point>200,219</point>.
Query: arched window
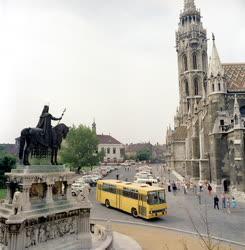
<point>196,92</point>
<point>185,63</point>
<point>194,60</point>
<point>186,88</point>
<point>204,62</point>
<point>219,87</point>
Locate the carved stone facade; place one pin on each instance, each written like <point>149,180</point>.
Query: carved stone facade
<point>207,141</point>
<point>39,210</point>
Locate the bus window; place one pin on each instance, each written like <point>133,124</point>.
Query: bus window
<point>109,188</point>
<point>130,193</point>
<point>156,197</point>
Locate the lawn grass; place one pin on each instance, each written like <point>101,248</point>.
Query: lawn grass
<point>3,193</point>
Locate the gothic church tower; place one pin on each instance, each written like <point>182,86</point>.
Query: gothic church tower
<point>191,47</point>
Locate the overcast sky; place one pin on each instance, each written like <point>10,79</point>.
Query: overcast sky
<point>112,60</point>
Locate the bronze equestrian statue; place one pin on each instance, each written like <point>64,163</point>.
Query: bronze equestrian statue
<point>42,138</point>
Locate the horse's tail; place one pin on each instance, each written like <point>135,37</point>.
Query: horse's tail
<point>22,143</point>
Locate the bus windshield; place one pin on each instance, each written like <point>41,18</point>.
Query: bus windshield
<point>156,197</point>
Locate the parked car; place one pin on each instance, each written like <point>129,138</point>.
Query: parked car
<point>76,188</point>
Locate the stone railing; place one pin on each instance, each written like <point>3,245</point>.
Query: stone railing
<point>102,235</point>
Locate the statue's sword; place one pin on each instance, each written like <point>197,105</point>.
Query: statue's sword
<point>62,114</point>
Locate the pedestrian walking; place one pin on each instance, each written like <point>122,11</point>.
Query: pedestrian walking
<point>209,189</point>
<point>200,187</point>
<point>185,188</point>
<point>233,203</point>
<point>228,205</point>
<point>169,186</point>
<point>117,175</point>
<point>174,187</point>
<point>216,202</point>
<point>223,200</point>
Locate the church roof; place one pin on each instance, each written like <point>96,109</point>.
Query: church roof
<point>107,139</point>
<point>179,134</point>
<point>235,74</point>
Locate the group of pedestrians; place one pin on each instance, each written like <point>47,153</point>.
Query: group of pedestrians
<point>226,201</point>
<point>172,186</point>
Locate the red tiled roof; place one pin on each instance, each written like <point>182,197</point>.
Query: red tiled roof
<point>235,74</point>
<point>107,139</point>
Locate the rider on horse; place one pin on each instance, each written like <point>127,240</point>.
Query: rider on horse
<point>45,124</point>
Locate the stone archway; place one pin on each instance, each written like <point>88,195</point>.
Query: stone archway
<point>226,185</point>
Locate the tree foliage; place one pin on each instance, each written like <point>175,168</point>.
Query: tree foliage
<point>80,148</point>
<point>144,154</point>
<point>7,162</point>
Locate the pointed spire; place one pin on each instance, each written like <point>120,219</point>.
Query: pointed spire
<point>94,126</point>
<point>189,5</point>
<point>236,107</point>
<point>237,114</point>
<point>215,66</point>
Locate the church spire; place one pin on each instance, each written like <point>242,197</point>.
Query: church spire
<point>94,126</point>
<point>189,5</point>
<point>215,66</point>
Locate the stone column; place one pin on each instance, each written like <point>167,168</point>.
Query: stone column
<point>49,194</point>
<point>68,191</point>
<point>85,236</point>
<point>15,235</point>
<point>26,197</point>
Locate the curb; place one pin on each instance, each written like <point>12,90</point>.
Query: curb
<point>170,228</point>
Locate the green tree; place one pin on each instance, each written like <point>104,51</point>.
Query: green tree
<point>7,162</point>
<point>80,148</point>
<point>144,155</point>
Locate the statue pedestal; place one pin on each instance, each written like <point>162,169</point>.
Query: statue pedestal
<point>43,214</point>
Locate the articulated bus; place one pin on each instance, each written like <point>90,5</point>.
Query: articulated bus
<point>140,200</point>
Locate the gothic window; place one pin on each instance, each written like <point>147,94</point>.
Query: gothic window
<point>204,62</point>
<point>194,60</point>
<point>219,86</point>
<point>213,87</point>
<point>196,92</point>
<point>242,110</point>
<point>186,88</point>
<point>185,63</point>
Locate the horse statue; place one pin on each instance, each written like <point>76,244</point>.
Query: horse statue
<point>32,139</point>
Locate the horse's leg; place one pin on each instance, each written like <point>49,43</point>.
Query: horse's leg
<point>55,155</point>
<point>26,155</point>
<point>52,156</point>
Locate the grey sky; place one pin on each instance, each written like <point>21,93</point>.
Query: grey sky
<point>112,60</point>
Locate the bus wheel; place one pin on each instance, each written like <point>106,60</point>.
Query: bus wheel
<point>107,203</point>
<point>134,213</point>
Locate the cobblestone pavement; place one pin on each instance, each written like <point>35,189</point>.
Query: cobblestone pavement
<point>222,224</point>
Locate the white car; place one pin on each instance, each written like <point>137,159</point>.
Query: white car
<point>77,188</point>
<point>146,181</point>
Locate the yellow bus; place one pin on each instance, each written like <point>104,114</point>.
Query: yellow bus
<point>140,200</point>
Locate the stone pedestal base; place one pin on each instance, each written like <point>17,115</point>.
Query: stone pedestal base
<point>46,215</point>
